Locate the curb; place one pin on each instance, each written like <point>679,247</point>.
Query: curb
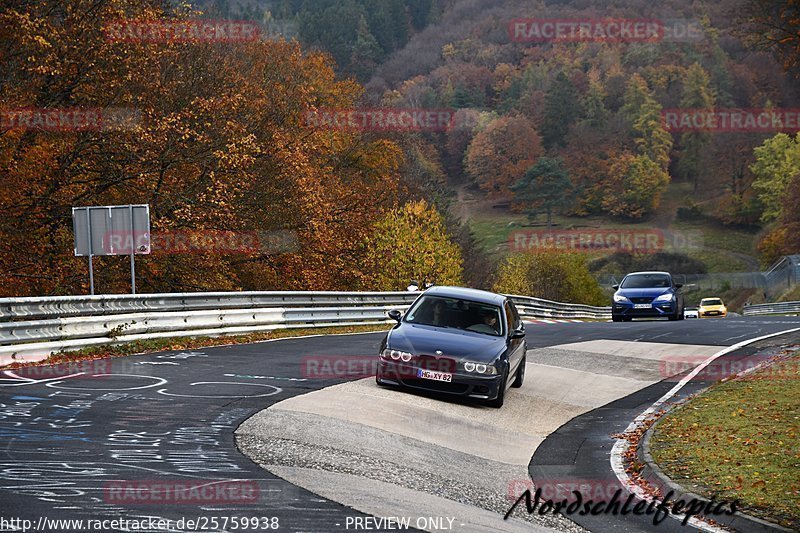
<point>654,476</point>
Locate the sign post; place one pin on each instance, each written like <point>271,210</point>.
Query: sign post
<point>111,230</point>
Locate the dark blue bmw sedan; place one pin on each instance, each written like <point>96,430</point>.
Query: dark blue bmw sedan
<point>647,295</point>
<point>458,341</point>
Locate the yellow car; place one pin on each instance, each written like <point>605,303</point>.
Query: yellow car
<point>712,307</point>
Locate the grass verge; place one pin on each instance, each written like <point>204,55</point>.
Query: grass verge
<point>739,441</point>
<point>187,343</point>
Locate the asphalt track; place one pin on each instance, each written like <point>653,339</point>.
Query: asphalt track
<point>71,441</point>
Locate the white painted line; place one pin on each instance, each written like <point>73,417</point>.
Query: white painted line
<point>622,445</point>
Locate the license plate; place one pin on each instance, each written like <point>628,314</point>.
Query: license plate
<point>436,376</point>
<point>642,306</point>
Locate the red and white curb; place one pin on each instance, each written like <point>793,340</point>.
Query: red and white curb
<point>552,320</point>
<point>622,445</point>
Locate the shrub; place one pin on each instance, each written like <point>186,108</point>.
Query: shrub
<point>552,275</point>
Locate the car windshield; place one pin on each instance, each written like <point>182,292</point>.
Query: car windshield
<point>711,301</point>
<point>456,313</point>
<point>645,281</point>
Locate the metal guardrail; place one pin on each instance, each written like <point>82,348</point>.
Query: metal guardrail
<point>776,308</point>
<point>37,327</point>
<point>69,306</point>
<point>539,308</point>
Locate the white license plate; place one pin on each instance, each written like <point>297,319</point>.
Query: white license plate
<point>642,306</point>
<point>436,376</point>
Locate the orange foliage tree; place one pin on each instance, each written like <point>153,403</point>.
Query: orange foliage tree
<point>219,143</point>
<point>500,154</point>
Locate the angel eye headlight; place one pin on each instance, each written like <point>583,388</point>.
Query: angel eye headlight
<point>397,355</point>
<point>469,366</point>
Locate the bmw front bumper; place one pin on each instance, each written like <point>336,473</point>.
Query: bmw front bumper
<point>465,385</point>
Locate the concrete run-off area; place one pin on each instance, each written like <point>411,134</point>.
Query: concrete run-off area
<point>390,453</point>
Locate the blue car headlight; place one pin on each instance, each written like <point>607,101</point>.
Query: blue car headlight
<point>396,355</point>
<point>668,297</point>
<point>480,368</point>
<point>618,298</point>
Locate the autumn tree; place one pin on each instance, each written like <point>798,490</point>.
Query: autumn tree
<point>220,141</point>
<point>774,26</point>
<point>643,113</point>
<point>551,274</point>
<point>635,185</point>
<point>410,243</point>
<point>594,108</point>
<point>777,163</point>
<point>697,94</point>
<point>544,187</point>
<point>500,154</point>
<point>561,109</point>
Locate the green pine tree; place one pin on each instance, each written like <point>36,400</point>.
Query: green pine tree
<point>697,94</point>
<point>545,187</point>
<point>561,108</point>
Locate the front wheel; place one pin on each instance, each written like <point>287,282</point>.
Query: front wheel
<point>616,318</point>
<point>501,394</point>
<point>673,316</point>
<point>520,377</point>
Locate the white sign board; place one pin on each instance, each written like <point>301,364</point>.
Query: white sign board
<point>111,230</point>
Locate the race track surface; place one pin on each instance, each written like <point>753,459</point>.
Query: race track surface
<point>79,446</point>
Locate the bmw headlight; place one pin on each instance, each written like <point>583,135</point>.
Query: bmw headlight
<point>480,368</point>
<point>668,297</point>
<point>396,355</point>
<point>620,298</point>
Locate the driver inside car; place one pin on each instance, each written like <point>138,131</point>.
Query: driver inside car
<point>490,319</point>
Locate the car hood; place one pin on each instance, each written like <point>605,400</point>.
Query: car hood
<point>712,307</point>
<point>458,344</point>
<point>644,293</point>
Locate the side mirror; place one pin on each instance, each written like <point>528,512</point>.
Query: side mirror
<point>615,287</point>
<point>678,285</point>
<point>396,315</point>
<point>518,333</point>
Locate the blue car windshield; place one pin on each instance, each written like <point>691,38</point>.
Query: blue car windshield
<point>645,281</point>
<point>456,313</point>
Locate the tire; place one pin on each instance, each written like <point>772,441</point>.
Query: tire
<point>673,316</point>
<point>520,377</point>
<point>501,394</point>
<point>616,318</point>
<point>627,318</point>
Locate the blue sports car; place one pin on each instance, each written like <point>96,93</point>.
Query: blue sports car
<point>647,295</point>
